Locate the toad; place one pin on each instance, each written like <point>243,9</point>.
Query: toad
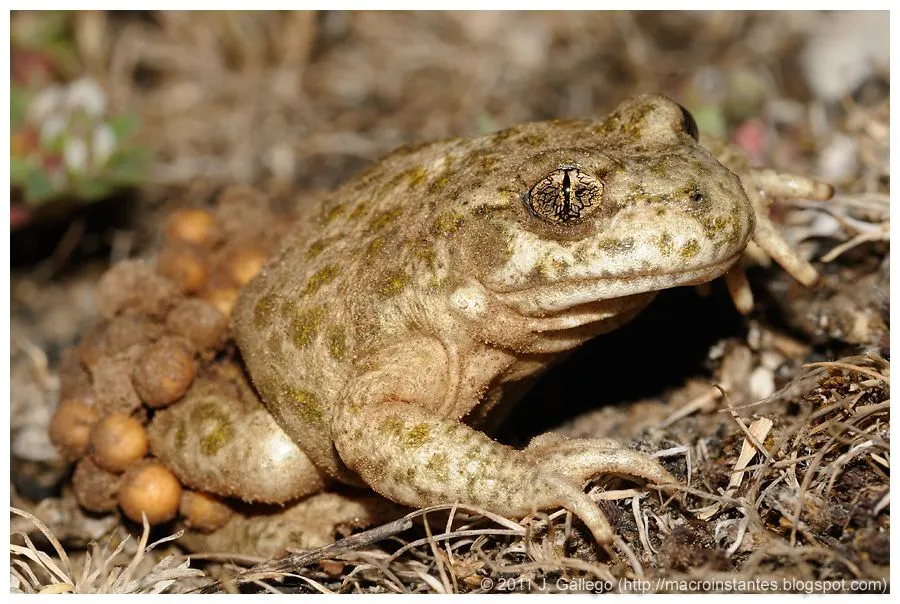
<point>393,328</point>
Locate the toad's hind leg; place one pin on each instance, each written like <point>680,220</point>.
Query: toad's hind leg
<point>220,439</point>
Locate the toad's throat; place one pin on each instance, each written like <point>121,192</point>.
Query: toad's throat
<point>541,300</point>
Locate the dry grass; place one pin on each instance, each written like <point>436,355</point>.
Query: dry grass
<point>787,512</point>
<point>33,570</point>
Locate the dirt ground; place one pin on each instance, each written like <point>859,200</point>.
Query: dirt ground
<point>777,422</point>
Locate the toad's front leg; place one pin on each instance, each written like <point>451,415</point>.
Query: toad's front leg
<point>763,187</point>
<point>414,456</point>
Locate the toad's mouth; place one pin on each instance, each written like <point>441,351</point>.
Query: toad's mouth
<point>547,299</point>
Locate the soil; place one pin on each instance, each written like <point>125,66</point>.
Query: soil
<point>778,422</point>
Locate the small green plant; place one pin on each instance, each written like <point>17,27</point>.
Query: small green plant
<point>64,145</point>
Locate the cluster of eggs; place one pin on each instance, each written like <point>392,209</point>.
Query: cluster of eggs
<point>164,322</point>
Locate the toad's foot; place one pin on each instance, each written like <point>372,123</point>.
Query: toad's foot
<point>413,457</point>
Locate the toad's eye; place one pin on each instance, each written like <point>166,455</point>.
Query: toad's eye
<point>565,196</point>
<point>690,124</point>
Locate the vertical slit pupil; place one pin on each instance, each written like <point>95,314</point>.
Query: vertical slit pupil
<point>567,186</point>
<point>567,195</point>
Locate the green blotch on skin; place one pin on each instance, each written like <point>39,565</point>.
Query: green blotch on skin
<point>322,277</point>
<point>690,249</point>
<point>635,193</point>
<point>317,247</point>
<point>405,476</point>
<point>666,244</point>
<point>263,309</point>
<point>355,406</point>
<point>393,425</point>
<point>560,264</point>
<point>222,432</point>
<point>273,343</point>
<point>334,213</point>
<point>715,226</point>
<point>413,176</point>
<point>180,437</point>
<point>533,140</point>
<point>337,343</point>
<point>383,219</point>
<point>487,163</point>
<point>439,466</point>
<point>614,247</point>
<point>471,483</point>
<point>418,435</point>
<point>439,184</point>
<point>446,284</point>
<point>305,326</point>
<point>507,195</point>
<point>475,453</point>
<point>393,283</point>
<point>376,245</point>
<point>447,224</point>
<point>424,251</point>
<point>735,216</point>
<point>360,209</point>
<point>572,124</point>
<point>659,168</point>
<point>305,405</point>
<point>581,254</point>
<point>631,126</point>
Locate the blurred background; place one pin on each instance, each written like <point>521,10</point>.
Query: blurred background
<point>106,102</point>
